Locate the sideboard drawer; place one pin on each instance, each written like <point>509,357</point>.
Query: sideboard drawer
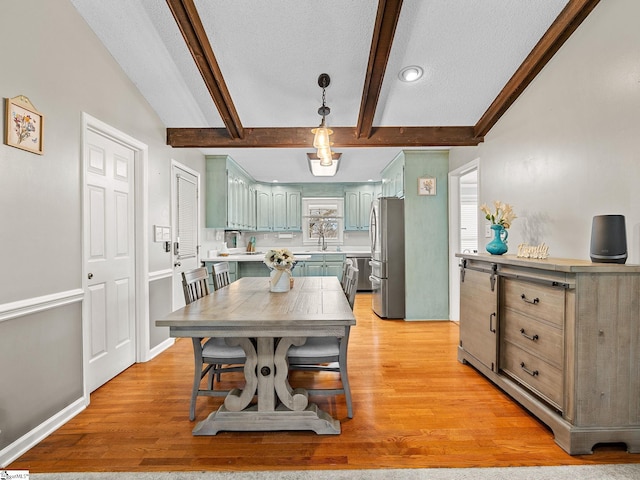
<point>535,300</point>
<point>543,340</point>
<point>536,374</point>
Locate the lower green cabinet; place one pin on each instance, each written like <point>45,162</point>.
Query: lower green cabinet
<point>329,264</point>
<point>321,265</point>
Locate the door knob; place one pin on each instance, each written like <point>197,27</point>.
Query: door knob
<point>90,276</point>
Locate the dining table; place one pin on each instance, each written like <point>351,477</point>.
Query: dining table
<point>265,324</point>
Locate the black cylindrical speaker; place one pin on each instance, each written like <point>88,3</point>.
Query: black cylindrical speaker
<point>608,239</point>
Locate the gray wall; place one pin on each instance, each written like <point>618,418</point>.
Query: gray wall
<point>568,148</point>
<point>50,55</point>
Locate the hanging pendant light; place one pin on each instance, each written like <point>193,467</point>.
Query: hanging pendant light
<point>325,162</point>
<point>322,133</point>
<point>326,156</point>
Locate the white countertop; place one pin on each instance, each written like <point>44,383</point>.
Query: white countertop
<point>245,257</point>
<point>240,255</point>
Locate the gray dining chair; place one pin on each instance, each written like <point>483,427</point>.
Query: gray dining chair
<point>212,356</point>
<point>348,262</point>
<point>328,354</point>
<point>220,275</point>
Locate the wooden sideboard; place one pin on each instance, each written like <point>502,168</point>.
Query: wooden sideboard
<point>562,338</point>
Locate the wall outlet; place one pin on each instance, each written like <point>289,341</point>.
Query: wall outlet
<point>487,230</point>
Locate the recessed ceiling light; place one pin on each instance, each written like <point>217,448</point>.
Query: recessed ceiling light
<point>411,73</point>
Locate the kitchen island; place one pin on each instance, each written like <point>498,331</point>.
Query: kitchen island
<point>310,262</point>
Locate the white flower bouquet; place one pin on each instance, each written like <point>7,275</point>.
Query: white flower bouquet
<point>281,259</point>
<point>503,214</point>
<point>281,263</point>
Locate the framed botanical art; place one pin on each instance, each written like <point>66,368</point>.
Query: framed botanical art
<point>23,125</point>
<point>426,186</point>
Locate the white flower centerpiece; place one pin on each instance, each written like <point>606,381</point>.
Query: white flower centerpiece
<point>281,262</point>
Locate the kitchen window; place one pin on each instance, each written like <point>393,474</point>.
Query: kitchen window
<point>323,221</point>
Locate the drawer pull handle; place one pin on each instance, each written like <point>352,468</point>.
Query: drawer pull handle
<point>533,338</point>
<point>491,327</point>
<point>533,373</point>
<point>535,301</point>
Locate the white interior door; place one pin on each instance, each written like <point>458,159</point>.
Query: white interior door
<point>185,214</point>
<point>109,250</point>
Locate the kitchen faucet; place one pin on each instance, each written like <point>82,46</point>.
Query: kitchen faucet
<point>322,239</point>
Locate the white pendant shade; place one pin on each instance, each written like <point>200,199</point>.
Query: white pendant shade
<point>318,170</point>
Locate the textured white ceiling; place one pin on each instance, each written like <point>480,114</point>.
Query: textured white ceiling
<point>271,53</point>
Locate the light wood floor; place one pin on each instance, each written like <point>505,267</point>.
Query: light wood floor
<point>415,406</point>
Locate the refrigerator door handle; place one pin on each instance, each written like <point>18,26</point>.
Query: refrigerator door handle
<point>373,228</point>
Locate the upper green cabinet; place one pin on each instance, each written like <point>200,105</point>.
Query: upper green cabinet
<point>234,200</point>
<point>230,195</point>
<point>393,178</point>
<point>357,205</point>
<point>264,208</point>
<point>287,205</point>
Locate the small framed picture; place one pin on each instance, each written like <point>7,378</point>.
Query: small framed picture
<point>23,125</point>
<point>426,186</point>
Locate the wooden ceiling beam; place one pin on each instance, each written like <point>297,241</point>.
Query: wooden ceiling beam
<point>188,20</point>
<point>301,137</point>
<point>569,19</point>
<point>381,41</point>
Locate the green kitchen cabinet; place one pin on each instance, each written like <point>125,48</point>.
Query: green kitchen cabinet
<point>287,208</point>
<point>324,265</point>
<point>393,178</point>
<point>357,206</point>
<point>264,208</point>
<point>230,195</point>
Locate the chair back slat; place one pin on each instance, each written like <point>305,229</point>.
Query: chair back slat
<point>221,275</point>
<point>351,285</point>
<point>345,267</point>
<point>195,284</point>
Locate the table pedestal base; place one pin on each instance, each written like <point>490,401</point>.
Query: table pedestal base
<point>251,420</point>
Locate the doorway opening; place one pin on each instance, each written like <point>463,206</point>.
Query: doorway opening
<point>463,225</point>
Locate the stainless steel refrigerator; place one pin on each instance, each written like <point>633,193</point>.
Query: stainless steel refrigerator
<point>386,233</point>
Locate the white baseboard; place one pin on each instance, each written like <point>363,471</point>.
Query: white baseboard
<point>35,436</point>
<point>158,349</point>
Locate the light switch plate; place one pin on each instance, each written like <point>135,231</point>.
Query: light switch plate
<point>487,230</point>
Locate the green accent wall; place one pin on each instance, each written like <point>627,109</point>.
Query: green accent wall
<point>426,236</point>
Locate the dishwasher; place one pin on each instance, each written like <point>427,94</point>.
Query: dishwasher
<point>364,284</point>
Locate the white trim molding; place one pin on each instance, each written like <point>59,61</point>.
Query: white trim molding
<point>31,439</point>
<point>33,305</point>
<point>160,274</point>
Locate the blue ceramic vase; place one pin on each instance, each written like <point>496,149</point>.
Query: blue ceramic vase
<point>498,245</point>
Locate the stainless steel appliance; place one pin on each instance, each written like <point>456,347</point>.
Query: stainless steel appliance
<point>386,233</point>
<point>364,266</point>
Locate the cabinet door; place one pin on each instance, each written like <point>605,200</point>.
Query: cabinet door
<point>352,210</point>
<point>364,204</point>
<point>314,269</point>
<point>299,270</point>
<point>294,207</point>
<point>478,317</point>
<point>279,210</point>
<point>333,269</point>
<point>263,211</point>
